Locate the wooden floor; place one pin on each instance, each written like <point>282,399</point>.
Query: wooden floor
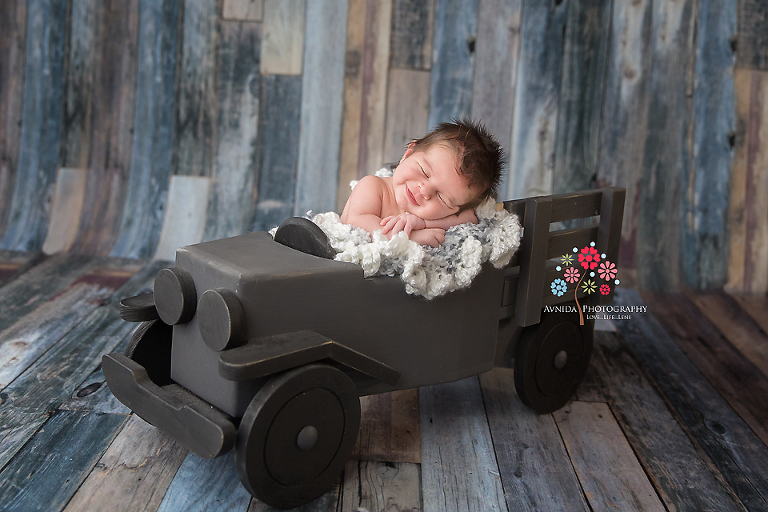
<point>673,415</point>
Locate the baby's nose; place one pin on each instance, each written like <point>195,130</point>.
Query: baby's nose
<point>426,191</point>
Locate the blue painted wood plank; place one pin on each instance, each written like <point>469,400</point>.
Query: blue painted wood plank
<point>493,88</point>
<point>453,61</point>
<point>705,205</point>
<point>412,34</point>
<point>40,137</point>
<point>461,474</point>
<point>321,106</point>
<point>531,151</point>
<point>47,472</point>
<point>238,86</point>
<point>13,31</point>
<point>206,486</point>
<point>625,111</point>
<point>153,135</point>
<point>667,152</point>
<point>279,140</point>
<point>577,135</point>
<point>111,109</point>
<point>196,115</point>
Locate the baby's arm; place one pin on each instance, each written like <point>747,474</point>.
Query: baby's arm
<point>465,216</point>
<point>363,208</point>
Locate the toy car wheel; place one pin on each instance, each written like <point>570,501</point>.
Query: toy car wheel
<point>551,360</point>
<point>150,346</point>
<point>297,434</point>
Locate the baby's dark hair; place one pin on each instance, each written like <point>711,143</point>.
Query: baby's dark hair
<point>480,156</point>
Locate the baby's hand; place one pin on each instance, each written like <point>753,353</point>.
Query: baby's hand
<point>429,236</point>
<point>404,222</point>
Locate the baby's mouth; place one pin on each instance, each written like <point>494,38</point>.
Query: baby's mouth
<point>411,198</point>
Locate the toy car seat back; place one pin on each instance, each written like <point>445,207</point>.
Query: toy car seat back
<point>305,236</point>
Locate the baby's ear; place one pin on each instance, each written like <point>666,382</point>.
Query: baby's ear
<point>408,150</point>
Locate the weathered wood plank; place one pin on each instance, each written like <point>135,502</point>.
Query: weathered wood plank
<point>184,222</point>
<point>133,474</point>
<point>54,376</point>
<point>609,473</point>
<point>328,501</point>
<point>533,463</point>
<point>12,263</point>
<point>279,127</point>
<point>381,486</point>
<point>243,10</point>
<point>667,154</point>
<point>196,113</point>
<point>585,51</point>
<point>321,106</point>
<point>493,87</point>
<point>373,108</point>
<point>352,101</point>
<point>48,471</point>
<point>68,202</point>
<point>13,30</point>
<point>84,20</point>
<point>450,93</point>
<point>230,204</point>
<point>736,325</point>
<point>389,428</point>
<point>753,34</point>
<point>458,466</point>
<point>42,116</point>
<point>407,111</point>
<point>412,33</point>
<point>755,306</point>
<point>747,223</point>
<point>625,112</point>
<point>152,151</point>
<point>706,185</point>
<point>38,284</point>
<point>14,436</point>
<point>730,372</point>
<point>531,151</point>
<point>282,47</point>
<point>206,485</point>
<point>32,335</point>
<point>112,108</point>
<point>730,444</point>
<point>684,479</point>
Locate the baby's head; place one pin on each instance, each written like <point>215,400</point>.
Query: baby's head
<point>480,158</point>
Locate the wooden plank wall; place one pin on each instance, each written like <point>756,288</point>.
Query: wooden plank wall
<point>186,120</point>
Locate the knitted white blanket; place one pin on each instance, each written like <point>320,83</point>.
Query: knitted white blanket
<point>427,271</point>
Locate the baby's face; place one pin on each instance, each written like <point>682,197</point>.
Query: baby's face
<point>428,184</point>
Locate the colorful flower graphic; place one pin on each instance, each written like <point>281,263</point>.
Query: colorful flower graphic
<point>567,259</point>
<point>605,289</point>
<point>572,274</point>
<point>559,287</point>
<point>589,287</point>
<point>607,270</point>
<point>589,258</point>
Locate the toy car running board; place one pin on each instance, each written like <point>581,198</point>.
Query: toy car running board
<point>272,354</point>
<point>189,420</point>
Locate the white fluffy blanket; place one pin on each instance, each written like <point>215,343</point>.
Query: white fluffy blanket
<point>427,271</point>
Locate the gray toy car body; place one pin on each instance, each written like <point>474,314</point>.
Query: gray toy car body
<point>271,344</point>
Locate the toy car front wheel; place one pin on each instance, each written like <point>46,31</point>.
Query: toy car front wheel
<point>150,346</point>
<point>551,360</point>
<point>297,434</point>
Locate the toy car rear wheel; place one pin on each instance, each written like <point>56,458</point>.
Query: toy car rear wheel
<point>297,434</point>
<point>551,360</point>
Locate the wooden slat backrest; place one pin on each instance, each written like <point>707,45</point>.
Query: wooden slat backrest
<point>539,244</point>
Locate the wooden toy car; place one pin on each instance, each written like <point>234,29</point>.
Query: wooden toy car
<point>265,345</point>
